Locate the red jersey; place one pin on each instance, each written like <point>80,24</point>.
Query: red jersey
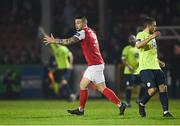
<point>90,46</point>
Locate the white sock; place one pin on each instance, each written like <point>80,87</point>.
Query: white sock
<point>141,104</point>
<point>80,109</point>
<point>165,112</point>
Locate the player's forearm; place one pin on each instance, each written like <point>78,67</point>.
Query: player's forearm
<point>63,41</point>
<point>141,44</point>
<point>161,63</point>
<point>126,63</point>
<point>71,59</point>
<point>67,41</point>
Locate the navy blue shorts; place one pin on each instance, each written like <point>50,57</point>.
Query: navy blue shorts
<point>128,79</point>
<point>62,74</point>
<point>152,78</point>
<point>137,79</point>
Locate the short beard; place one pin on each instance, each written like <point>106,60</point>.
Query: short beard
<point>79,29</point>
<point>151,32</point>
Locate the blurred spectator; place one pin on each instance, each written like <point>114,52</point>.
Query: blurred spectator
<point>11,81</point>
<point>18,27</point>
<point>69,13</point>
<point>20,19</point>
<point>175,71</point>
<point>46,84</point>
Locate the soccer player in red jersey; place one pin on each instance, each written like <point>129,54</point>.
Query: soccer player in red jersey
<point>94,72</point>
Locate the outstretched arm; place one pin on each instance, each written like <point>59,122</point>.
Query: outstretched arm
<point>52,40</point>
<point>68,41</point>
<point>141,44</point>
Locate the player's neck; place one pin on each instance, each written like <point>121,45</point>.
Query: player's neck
<point>146,30</point>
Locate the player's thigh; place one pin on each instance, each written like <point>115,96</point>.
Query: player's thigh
<point>66,74</point>
<point>148,78</point>
<point>161,81</point>
<point>99,80</point>
<point>152,91</point>
<point>84,83</point>
<point>128,80</point>
<point>57,75</point>
<point>98,77</point>
<point>160,77</point>
<point>87,74</point>
<point>137,80</point>
<point>87,78</point>
<point>95,74</point>
<point>101,86</point>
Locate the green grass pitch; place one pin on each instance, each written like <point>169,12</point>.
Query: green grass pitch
<point>98,112</point>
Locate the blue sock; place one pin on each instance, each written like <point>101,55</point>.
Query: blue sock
<point>128,95</point>
<point>145,98</point>
<point>142,92</point>
<point>67,88</point>
<point>164,100</point>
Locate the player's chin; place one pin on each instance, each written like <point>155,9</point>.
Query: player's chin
<point>152,32</point>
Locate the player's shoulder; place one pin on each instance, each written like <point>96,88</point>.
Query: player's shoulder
<point>89,30</point>
<point>80,32</point>
<point>140,33</point>
<point>62,48</point>
<point>127,47</point>
<point>135,49</point>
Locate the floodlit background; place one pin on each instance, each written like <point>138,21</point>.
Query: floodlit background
<point>26,93</point>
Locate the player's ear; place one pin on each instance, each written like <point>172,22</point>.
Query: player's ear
<point>85,20</point>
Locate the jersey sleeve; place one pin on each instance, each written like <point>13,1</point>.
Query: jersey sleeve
<point>80,35</point>
<point>124,54</point>
<point>68,52</point>
<point>139,37</point>
<point>64,49</point>
<point>53,47</point>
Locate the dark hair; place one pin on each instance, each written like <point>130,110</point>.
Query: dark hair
<point>148,21</point>
<point>81,17</point>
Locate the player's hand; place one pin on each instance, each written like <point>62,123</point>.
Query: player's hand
<point>49,39</point>
<point>162,64</point>
<point>155,34</point>
<point>130,68</point>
